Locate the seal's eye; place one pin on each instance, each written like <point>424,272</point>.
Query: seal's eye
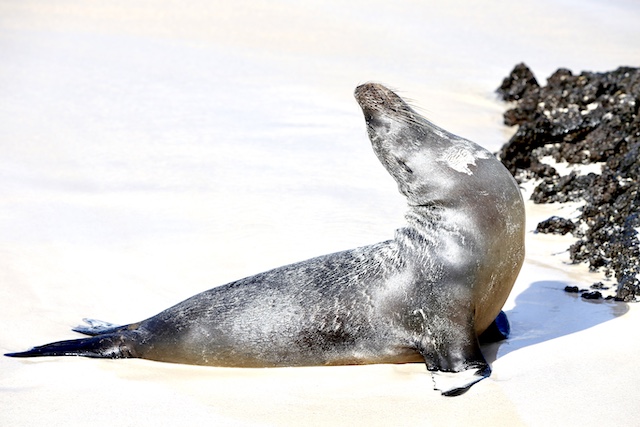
<point>404,166</point>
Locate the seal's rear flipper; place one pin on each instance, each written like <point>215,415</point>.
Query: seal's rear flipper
<point>113,346</point>
<point>95,327</point>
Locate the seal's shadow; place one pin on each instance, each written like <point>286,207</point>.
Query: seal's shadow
<point>544,312</point>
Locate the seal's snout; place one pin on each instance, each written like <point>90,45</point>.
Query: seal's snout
<point>377,101</point>
<point>368,87</point>
<point>370,94</point>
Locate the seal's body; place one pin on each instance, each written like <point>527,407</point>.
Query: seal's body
<point>426,295</point>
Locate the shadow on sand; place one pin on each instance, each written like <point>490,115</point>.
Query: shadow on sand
<point>545,311</point>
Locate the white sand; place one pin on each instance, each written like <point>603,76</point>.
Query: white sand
<point>152,150</point>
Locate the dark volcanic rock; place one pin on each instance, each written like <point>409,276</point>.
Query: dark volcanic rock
<point>556,225</point>
<point>517,84</point>
<point>582,119</point>
<point>562,189</point>
<point>592,295</point>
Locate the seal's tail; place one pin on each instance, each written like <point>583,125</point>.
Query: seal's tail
<point>109,346</point>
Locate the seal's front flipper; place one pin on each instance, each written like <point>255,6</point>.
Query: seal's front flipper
<point>95,327</point>
<point>454,358</point>
<point>498,330</point>
<point>458,369</point>
<point>457,383</point>
<point>111,346</point>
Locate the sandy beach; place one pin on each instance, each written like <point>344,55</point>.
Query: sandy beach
<point>153,150</point>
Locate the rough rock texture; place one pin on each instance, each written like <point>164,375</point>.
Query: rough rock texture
<point>556,225</point>
<point>582,119</point>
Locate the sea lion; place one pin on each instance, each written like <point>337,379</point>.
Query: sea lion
<point>425,295</point>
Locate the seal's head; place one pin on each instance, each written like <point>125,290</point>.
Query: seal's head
<point>429,164</point>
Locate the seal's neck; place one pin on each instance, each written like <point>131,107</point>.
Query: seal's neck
<point>426,222</point>
<point>421,223</point>
<point>421,216</point>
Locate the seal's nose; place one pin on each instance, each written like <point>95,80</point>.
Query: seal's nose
<point>369,89</point>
